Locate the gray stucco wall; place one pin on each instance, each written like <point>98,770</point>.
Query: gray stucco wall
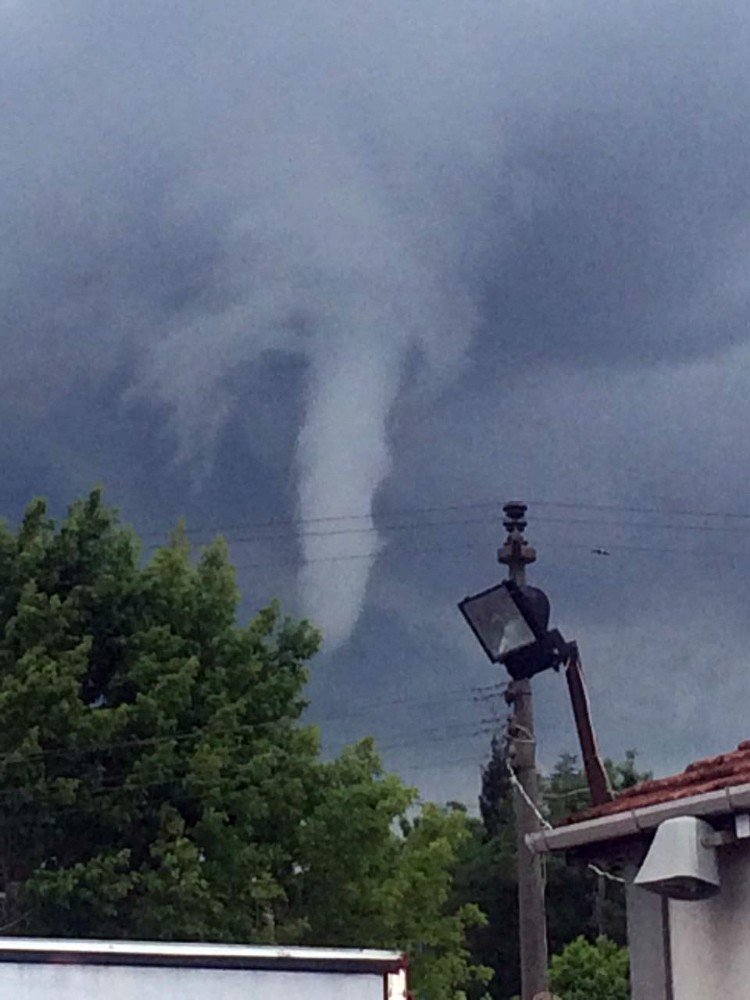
<point>694,950</point>
<point>711,939</point>
<point>649,958</point>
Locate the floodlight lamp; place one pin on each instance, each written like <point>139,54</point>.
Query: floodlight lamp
<point>510,623</point>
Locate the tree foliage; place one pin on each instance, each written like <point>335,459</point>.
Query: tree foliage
<point>157,781</point>
<point>586,970</point>
<point>578,902</point>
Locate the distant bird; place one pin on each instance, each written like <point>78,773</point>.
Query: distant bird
<point>600,552</point>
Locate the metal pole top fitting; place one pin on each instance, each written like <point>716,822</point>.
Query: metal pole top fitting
<point>516,552</point>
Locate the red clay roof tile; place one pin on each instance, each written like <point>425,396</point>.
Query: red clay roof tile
<point>708,775</point>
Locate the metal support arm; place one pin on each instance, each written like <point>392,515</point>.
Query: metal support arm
<point>596,774</point>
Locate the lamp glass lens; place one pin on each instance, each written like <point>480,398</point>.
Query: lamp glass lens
<point>498,622</point>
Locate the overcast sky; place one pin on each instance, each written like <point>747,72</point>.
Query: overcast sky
<point>369,269</point>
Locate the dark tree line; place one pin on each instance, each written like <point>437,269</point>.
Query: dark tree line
<point>578,901</point>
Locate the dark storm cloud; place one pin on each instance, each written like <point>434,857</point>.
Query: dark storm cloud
<point>641,170</point>
<point>661,619</point>
<point>359,251</point>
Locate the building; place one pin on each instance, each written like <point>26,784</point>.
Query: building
<point>682,844</point>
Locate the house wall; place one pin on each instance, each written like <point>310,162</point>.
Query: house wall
<point>51,981</point>
<point>650,973</point>
<point>694,950</point>
<point>710,939</point>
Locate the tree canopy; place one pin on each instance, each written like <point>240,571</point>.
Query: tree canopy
<point>590,970</point>
<point>578,902</point>
<point>157,778</point>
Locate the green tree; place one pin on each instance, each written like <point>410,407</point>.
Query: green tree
<point>586,970</point>
<point>578,901</point>
<point>157,781</point>
<point>487,876</point>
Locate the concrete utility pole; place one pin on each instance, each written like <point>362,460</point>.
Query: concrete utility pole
<point>516,554</point>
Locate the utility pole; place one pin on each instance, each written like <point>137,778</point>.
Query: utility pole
<point>516,554</point>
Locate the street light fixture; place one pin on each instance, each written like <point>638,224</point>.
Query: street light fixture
<point>510,622</point>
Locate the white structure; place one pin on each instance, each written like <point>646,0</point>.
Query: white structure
<point>684,844</point>
<point>39,969</point>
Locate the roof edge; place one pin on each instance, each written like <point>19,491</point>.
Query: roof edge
<point>188,954</point>
<point>629,822</point>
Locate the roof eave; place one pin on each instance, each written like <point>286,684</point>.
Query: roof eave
<point>201,955</point>
<point>629,822</point>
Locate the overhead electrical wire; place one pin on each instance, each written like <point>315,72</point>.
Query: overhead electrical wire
<point>13,758</point>
<point>395,551</point>
<point>621,508</point>
<point>599,546</point>
<point>290,522</point>
<point>478,694</point>
<point>236,771</point>
<point>470,522</point>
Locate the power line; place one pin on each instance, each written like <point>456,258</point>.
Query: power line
<point>439,764</point>
<point>377,529</point>
<point>416,526</point>
<point>412,526</point>
<point>276,522</point>
<point>235,772</point>
<point>291,522</point>
<point>640,525</point>
<point>481,694</point>
<point>668,511</point>
<point>374,530</point>
<point>391,551</point>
